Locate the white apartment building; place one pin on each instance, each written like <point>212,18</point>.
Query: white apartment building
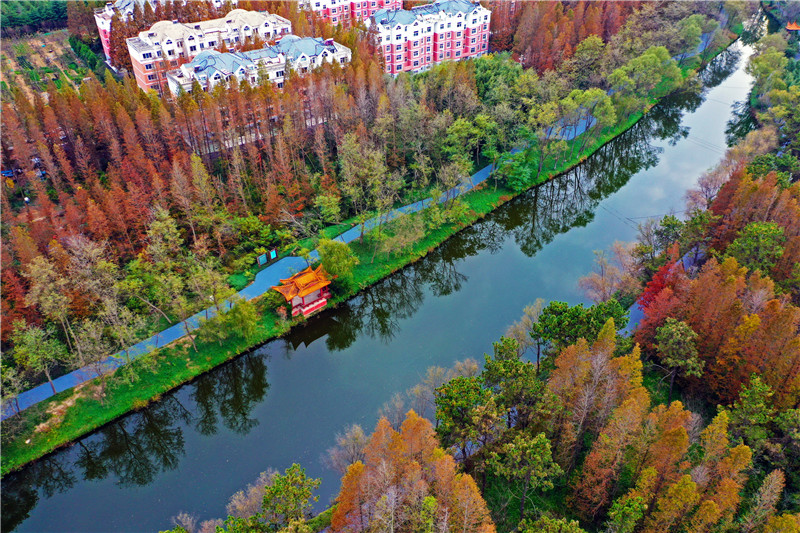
<point>169,44</point>
<point>124,8</point>
<point>211,68</point>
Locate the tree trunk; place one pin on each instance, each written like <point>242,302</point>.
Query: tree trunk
<point>524,497</point>
<point>52,385</point>
<point>671,383</point>
<point>188,334</point>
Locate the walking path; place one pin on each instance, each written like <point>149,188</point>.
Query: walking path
<point>264,281</point>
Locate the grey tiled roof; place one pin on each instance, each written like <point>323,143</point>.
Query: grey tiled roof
<point>293,46</point>
<point>403,17</point>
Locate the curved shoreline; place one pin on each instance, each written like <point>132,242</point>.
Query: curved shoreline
<point>177,366</point>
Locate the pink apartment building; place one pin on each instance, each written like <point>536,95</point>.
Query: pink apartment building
<point>415,40</point>
<point>344,11</point>
<point>103,16</point>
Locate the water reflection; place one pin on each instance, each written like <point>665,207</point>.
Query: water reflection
<point>532,220</point>
<point>742,122</point>
<point>136,449</point>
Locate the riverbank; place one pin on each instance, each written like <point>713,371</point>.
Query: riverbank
<point>179,363</point>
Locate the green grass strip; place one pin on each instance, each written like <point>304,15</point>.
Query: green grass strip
<point>171,366</point>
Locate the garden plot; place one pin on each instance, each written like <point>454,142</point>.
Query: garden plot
<point>31,63</point>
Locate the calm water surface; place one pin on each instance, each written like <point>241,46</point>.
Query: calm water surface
<point>285,401</point>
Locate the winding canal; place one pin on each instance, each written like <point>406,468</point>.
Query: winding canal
<point>285,401</point>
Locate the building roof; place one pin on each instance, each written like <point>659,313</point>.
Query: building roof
<point>304,283</point>
<point>793,26</point>
<point>211,61</point>
<point>403,17</point>
<point>293,46</point>
<point>236,18</point>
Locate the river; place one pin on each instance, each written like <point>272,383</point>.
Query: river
<point>285,401</point>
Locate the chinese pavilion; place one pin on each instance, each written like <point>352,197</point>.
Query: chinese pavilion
<point>793,26</point>
<point>307,290</point>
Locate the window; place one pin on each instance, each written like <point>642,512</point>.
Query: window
<point>429,39</point>
<point>212,44</point>
<point>170,52</point>
<point>399,57</point>
<point>149,66</point>
<point>416,53</point>
<point>441,56</point>
<point>428,49</point>
<point>279,74</point>
<point>449,44</point>
<point>151,77</point>
<point>458,24</point>
<point>473,40</point>
<point>236,39</point>
<point>416,63</point>
<point>416,34</point>
<point>192,48</point>
<point>458,34</point>
<point>181,54</point>
<point>147,55</point>
<point>472,50</point>
<point>458,54</point>
<point>342,60</point>
<point>202,45</point>
<point>388,59</point>
<point>280,85</point>
<point>173,63</point>
<point>399,67</point>
<point>398,47</point>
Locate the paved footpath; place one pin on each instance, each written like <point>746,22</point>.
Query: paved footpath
<point>264,281</point>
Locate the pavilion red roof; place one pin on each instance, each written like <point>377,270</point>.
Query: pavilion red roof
<point>793,26</point>
<point>304,283</point>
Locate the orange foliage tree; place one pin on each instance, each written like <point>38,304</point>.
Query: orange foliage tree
<point>407,482</point>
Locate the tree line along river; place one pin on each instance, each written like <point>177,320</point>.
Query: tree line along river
<point>285,401</point>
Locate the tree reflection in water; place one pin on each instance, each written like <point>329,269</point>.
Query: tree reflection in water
<point>135,449</point>
<point>532,220</point>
